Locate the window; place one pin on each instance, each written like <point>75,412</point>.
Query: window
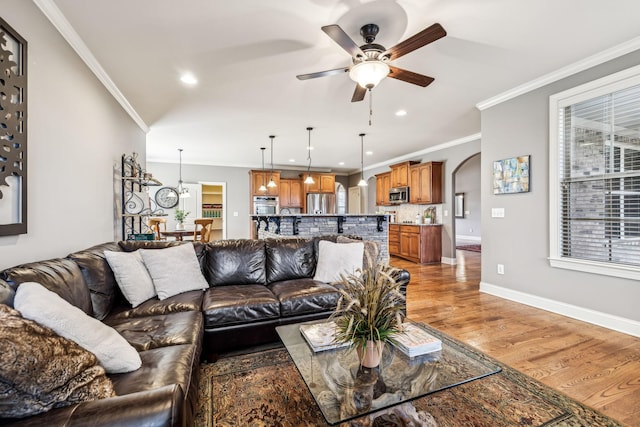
<point>341,199</point>
<point>595,176</point>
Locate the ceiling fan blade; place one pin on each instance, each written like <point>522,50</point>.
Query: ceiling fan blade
<point>424,37</point>
<point>322,73</point>
<point>410,76</point>
<point>358,94</point>
<point>339,36</point>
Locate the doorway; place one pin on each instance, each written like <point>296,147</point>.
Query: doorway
<point>208,200</point>
<point>467,232</point>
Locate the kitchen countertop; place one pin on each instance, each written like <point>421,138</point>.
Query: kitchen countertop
<point>320,215</point>
<point>413,223</point>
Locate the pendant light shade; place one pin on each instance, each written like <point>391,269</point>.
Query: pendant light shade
<point>263,188</point>
<point>272,183</point>
<point>362,182</point>
<point>309,180</point>
<point>183,193</point>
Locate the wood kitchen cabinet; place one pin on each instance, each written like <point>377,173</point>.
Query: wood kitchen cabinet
<point>400,174</point>
<point>290,193</point>
<point>421,244</point>
<point>425,183</point>
<point>257,178</point>
<point>383,184</point>
<point>322,183</point>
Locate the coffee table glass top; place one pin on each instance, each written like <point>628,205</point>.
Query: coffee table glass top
<point>344,391</point>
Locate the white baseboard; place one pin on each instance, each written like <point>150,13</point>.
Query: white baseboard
<point>609,321</point>
<point>445,260</point>
<point>470,238</point>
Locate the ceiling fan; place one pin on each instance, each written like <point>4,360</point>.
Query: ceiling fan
<point>371,60</point>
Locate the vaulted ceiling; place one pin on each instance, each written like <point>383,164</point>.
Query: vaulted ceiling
<point>246,55</point>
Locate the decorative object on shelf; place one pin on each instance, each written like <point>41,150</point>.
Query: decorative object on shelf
<point>13,132</point>
<point>183,193</point>
<point>511,175</point>
<point>369,311</point>
<point>309,180</point>
<point>271,183</point>
<point>362,182</point>
<point>180,216</point>
<point>167,197</point>
<point>263,188</point>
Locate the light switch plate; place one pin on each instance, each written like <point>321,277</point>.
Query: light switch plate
<point>497,212</point>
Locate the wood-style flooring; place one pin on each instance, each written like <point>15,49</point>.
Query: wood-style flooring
<point>593,365</point>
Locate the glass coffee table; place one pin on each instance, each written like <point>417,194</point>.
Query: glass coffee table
<point>344,391</point>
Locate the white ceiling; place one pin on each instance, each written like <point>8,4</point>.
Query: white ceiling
<point>246,55</point>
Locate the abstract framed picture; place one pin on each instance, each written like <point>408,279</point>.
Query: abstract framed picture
<point>13,132</point>
<point>512,175</point>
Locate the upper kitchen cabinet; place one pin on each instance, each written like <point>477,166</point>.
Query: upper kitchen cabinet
<point>322,183</point>
<point>425,186</point>
<point>290,193</point>
<point>400,174</point>
<point>383,184</point>
<point>259,178</point>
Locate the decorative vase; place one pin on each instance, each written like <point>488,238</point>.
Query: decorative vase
<point>179,226</point>
<point>371,354</point>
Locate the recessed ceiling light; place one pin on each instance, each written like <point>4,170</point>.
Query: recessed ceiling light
<point>341,163</point>
<point>188,79</point>
<point>292,160</point>
<point>368,153</point>
<point>401,113</point>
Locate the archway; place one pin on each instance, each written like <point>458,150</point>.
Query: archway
<point>472,199</point>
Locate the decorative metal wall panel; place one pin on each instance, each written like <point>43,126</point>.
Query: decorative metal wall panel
<point>13,131</point>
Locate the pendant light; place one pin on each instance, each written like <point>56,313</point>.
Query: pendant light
<point>362,182</point>
<point>183,193</point>
<point>309,180</point>
<point>263,188</point>
<point>272,183</point>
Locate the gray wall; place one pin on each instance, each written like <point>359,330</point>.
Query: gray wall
<point>467,181</point>
<point>238,190</point>
<point>520,240</point>
<point>77,135</point>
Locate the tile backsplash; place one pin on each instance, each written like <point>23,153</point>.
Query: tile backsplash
<point>407,213</point>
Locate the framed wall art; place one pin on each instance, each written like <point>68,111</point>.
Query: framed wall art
<point>13,132</point>
<point>512,175</point>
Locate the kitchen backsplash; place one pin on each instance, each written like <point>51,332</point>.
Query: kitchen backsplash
<point>406,213</point>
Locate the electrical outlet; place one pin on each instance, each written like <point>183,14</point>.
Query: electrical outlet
<point>235,213</point>
<point>500,268</point>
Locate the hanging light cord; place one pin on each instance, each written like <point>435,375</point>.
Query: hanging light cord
<point>180,172</point>
<point>362,156</point>
<point>271,176</point>
<point>309,152</point>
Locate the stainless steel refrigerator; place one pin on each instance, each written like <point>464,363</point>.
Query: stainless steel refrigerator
<point>318,203</point>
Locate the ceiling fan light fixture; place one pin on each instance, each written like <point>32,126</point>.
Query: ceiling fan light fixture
<point>369,73</point>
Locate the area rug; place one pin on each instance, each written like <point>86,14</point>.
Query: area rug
<point>265,389</point>
<point>471,248</point>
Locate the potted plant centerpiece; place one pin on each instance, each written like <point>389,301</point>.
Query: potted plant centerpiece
<point>180,216</point>
<point>369,311</point>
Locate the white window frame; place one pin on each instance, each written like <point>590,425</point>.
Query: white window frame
<point>603,86</point>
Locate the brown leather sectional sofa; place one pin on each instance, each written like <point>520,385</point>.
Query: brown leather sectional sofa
<point>255,285</point>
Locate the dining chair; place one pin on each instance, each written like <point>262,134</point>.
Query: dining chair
<point>204,225</point>
<point>156,224</point>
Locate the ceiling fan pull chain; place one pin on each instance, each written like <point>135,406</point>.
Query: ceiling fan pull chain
<point>370,105</point>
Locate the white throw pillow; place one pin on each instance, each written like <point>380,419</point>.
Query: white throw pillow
<point>174,270</point>
<point>335,259</point>
<point>47,308</point>
<point>132,276</point>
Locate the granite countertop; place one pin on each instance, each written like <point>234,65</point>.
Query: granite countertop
<point>321,215</point>
<point>413,223</point>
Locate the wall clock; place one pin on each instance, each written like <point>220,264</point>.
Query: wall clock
<point>167,197</point>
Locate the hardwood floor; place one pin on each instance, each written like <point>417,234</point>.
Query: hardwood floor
<point>591,364</point>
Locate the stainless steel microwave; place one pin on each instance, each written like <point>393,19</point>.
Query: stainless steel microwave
<point>399,195</point>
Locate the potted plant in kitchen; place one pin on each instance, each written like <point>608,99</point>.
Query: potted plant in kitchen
<point>180,216</point>
<point>369,311</point>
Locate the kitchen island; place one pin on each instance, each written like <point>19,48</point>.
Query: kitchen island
<point>373,227</point>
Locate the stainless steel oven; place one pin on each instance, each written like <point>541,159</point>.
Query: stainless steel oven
<point>265,205</point>
<point>399,195</point>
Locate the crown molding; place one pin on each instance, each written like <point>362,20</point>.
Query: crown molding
<point>584,64</point>
<point>410,156</point>
<point>60,22</point>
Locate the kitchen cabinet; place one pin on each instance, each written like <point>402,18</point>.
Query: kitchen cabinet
<point>400,174</point>
<point>417,243</point>
<point>383,184</point>
<point>260,177</point>
<point>290,193</point>
<point>322,183</point>
<point>425,183</point>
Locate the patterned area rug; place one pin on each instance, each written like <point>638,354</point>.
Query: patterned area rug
<point>265,389</point>
<point>472,248</point>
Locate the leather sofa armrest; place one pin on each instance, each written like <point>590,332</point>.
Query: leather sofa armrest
<point>162,406</point>
<point>403,276</point>
<point>6,293</point>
